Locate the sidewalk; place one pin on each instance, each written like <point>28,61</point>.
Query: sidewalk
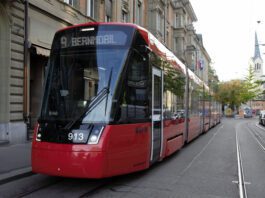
<point>15,161</point>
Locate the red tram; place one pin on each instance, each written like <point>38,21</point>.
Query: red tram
<point>116,101</point>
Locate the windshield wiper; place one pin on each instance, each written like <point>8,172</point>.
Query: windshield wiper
<point>96,100</point>
<point>93,103</point>
<point>100,96</point>
<point>110,76</point>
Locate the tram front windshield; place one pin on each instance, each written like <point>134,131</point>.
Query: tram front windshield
<point>84,68</point>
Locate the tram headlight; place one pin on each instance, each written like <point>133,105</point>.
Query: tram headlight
<point>38,137</point>
<point>38,133</point>
<point>95,134</point>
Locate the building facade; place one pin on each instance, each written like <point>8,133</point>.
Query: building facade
<point>27,28</point>
<point>187,44</point>
<point>173,26</point>
<point>257,105</point>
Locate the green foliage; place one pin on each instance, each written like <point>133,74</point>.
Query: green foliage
<point>236,92</point>
<point>174,80</point>
<point>251,87</point>
<point>213,79</point>
<point>230,93</point>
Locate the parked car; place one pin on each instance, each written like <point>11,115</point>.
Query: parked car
<point>262,117</point>
<point>179,114</point>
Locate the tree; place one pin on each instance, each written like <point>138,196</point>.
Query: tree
<point>251,88</point>
<point>230,93</point>
<point>236,92</point>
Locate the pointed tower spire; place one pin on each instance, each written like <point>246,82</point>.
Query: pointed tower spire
<point>257,51</point>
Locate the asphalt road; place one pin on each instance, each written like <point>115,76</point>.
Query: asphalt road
<point>251,138</point>
<point>206,167</point>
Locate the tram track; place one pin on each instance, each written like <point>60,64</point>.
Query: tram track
<point>34,190</point>
<point>241,179</point>
<point>94,189</point>
<point>80,188</point>
<point>260,140</point>
<point>258,137</point>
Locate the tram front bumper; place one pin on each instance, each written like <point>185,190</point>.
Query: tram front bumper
<point>66,162</point>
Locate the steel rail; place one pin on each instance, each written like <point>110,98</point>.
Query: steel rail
<point>241,180</point>
<point>95,188</point>
<point>257,138</point>
<point>24,194</point>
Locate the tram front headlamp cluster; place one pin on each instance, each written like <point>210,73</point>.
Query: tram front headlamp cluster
<point>89,136</point>
<point>95,134</point>
<point>38,133</point>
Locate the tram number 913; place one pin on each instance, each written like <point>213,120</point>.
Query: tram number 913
<point>78,136</point>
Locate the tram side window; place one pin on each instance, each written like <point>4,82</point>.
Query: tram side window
<point>206,104</point>
<point>174,88</point>
<point>134,104</point>
<point>194,100</point>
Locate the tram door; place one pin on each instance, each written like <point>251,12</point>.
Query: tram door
<point>157,109</point>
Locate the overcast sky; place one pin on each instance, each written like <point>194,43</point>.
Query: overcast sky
<point>228,29</point>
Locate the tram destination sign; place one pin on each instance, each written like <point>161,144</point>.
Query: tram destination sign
<point>102,38</point>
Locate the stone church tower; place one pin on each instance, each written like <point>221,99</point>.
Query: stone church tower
<point>256,61</point>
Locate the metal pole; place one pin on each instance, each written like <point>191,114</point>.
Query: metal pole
<point>25,98</point>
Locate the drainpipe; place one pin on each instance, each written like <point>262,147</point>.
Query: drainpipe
<point>25,96</point>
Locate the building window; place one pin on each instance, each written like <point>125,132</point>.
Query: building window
<point>108,7</point>
<point>168,40</point>
<point>90,8</point>
<point>125,11</point>
<point>73,3</point>
<point>158,20</point>
<point>160,23</point>
<point>107,18</point>
<point>176,20</point>
<point>257,66</point>
<point>70,2</point>
<point>125,17</point>
<point>175,44</point>
<point>138,13</point>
